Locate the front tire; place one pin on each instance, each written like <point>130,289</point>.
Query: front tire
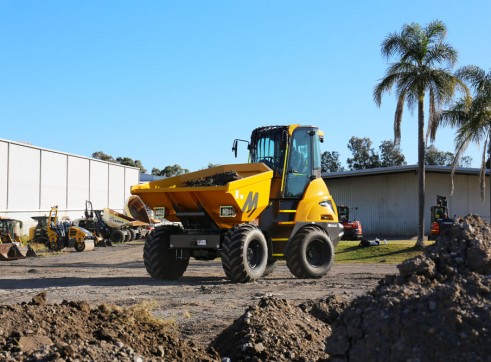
<point>244,254</point>
<point>116,236</point>
<point>159,260</point>
<point>310,253</point>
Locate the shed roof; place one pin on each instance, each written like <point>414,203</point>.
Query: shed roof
<point>401,169</point>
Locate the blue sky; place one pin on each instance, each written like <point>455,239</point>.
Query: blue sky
<point>174,82</point>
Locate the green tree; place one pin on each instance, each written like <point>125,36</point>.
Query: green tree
<point>102,156</point>
<point>390,154</point>
<point>472,116</point>
<point>433,156</point>
<point>330,162</point>
<point>423,63</point>
<point>169,171</point>
<point>130,162</point>
<point>363,154</point>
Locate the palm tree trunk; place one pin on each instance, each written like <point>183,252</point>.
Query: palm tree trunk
<point>489,184</point>
<point>421,173</point>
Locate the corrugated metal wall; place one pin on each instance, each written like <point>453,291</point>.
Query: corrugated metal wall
<point>388,203</point>
<point>32,180</point>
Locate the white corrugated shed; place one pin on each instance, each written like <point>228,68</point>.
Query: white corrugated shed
<point>387,198</point>
<point>33,179</point>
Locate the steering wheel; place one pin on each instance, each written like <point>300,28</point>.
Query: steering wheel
<point>269,161</point>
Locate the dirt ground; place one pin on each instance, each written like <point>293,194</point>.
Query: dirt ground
<point>92,306</point>
<point>202,303</point>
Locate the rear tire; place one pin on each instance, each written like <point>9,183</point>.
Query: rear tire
<point>310,253</point>
<point>132,234</point>
<point>159,260</point>
<point>270,267</point>
<point>116,236</point>
<point>126,236</point>
<point>244,254</point>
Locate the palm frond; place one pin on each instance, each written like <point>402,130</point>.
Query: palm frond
<point>398,118</point>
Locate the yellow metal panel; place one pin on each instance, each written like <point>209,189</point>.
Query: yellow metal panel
<point>309,208</point>
<point>249,195</point>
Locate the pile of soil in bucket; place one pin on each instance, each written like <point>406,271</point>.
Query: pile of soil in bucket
<point>437,309</point>
<point>218,179</point>
<point>70,331</point>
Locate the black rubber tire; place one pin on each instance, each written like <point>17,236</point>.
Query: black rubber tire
<point>310,253</point>
<point>126,236</point>
<point>159,260</point>
<point>270,267</point>
<point>244,254</point>
<point>79,246</point>
<point>116,236</point>
<point>132,234</point>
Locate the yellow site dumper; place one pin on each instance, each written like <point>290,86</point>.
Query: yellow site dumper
<point>277,206</point>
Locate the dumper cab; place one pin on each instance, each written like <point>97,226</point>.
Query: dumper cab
<point>250,215</point>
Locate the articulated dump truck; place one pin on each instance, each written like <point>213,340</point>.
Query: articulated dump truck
<point>250,215</point>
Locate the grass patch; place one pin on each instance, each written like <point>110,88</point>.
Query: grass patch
<point>395,252</point>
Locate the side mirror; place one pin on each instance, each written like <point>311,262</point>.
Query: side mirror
<point>234,146</point>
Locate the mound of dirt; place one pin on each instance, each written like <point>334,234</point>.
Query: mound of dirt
<point>74,331</point>
<point>219,179</point>
<point>274,330</point>
<point>438,308</point>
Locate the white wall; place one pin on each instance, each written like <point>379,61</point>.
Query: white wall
<point>53,179</point>
<point>23,177</point>
<point>99,184</point>
<point>388,203</point>
<point>4,151</point>
<point>33,179</point>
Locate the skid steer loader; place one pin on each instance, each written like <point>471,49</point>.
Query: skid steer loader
<point>275,207</point>
<point>62,234</point>
<point>11,247</point>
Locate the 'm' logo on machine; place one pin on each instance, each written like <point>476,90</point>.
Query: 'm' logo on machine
<point>250,204</point>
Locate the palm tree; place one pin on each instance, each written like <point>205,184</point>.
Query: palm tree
<point>472,116</point>
<point>420,53</point>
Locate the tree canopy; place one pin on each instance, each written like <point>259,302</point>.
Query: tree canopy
<point>422,65</point>
<point>330,162</point>
<point>121,160</point>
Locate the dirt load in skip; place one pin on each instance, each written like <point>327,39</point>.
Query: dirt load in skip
<point>437,309</point>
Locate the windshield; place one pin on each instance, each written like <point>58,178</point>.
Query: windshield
<point>268,147</point>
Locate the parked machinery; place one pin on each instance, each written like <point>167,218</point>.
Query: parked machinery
<point>63,234</point>
<point>93,222</point>
<point>11,247</point>
<point>439,217</point>
<point>39,233</point>
<point>275,207</point>
<point>352,228</point>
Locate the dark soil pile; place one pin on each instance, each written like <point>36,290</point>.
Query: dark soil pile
<point>69,331</point>
<point>219,179</point>
<point>274,330</point>
<point>437,309</point>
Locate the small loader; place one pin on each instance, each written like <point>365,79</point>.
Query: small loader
<point>275,207</point>
<point>11,247</point>
<point>352,228</point>
<point>62,234</point>
<point>439,217</point>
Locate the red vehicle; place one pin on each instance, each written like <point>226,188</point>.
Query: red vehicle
<point>439,217</point>
<point>352,228</point>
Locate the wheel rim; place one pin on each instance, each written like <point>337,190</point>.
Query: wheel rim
<point>254,254</point>
<point>316,253</point>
